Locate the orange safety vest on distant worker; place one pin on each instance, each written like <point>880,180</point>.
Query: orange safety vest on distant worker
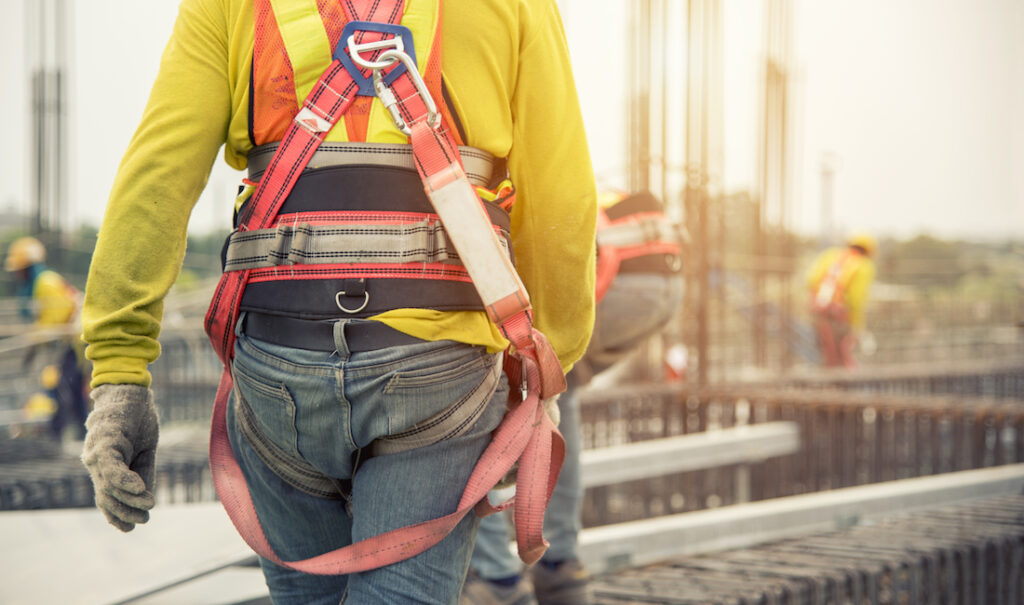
<point>829,296</point>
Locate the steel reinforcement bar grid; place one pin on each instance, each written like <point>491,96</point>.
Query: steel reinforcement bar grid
<point>849,438</point>
<point>53,478</point>
<point>964,378</point>
<point>185,379</point>
<point>968,554</point>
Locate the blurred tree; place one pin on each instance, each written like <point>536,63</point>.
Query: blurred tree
<point>922,261</point>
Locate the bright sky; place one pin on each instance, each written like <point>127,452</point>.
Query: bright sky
<point>918,99</point>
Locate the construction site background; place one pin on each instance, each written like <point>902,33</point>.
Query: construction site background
<point>935,302</point>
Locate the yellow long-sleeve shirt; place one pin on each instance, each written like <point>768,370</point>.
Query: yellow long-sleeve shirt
<point>853,281</point>
<point>508,71</point>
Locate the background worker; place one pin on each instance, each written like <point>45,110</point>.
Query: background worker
<point>315,392</point>
<point>838,284</point>
<point>640,287</point>
<point>49,301</point>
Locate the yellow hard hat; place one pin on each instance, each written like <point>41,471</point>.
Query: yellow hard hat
<point>863,241</point>
<point>23,253</point>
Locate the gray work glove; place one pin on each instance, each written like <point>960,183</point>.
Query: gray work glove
<point>120,452</point>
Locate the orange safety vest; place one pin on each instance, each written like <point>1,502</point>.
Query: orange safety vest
<point>286,30</point>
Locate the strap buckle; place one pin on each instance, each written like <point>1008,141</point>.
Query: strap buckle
<point>351,53</point>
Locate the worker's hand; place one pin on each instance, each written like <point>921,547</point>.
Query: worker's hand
<point>120,452</point>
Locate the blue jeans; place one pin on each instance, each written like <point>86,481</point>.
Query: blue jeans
<point>636,307</point>
<point>317,414</point>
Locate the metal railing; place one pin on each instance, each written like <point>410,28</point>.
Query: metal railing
<point>1003,378</point>
<point>849,438</point>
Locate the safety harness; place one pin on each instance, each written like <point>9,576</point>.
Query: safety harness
<point>831,291</point>
<point>372,57</point>
<point>635,236</point>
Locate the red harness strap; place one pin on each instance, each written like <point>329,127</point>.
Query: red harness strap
<point>831,291</point>
<point>525,434</point>
<point>540,372</point>
<point>607,261</point>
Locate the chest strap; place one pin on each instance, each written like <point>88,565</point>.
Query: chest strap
<point>478,164</point>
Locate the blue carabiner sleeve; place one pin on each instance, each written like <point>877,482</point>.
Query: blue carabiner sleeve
<point>365,82</point>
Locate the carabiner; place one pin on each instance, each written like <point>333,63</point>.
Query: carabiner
<point>356,50</point>
<point>387,97</point>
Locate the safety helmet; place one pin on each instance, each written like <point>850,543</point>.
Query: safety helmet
<point>23,253</point>
<point>863,241</point>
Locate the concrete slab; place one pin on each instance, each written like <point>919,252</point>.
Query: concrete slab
<point>231,586</point>
<point>73,556</point>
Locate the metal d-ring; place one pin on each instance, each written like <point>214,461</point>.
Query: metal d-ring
<point>337,301</point>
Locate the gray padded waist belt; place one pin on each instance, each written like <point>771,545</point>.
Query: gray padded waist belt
<point>422,241</point>
<point>639,232</point>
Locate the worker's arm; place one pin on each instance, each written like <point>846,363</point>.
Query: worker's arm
<point>141,242</point>
<point>139,252</point>
<point>555,215</point>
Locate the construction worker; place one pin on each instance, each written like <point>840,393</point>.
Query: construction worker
<point>640,286</point>
<point>49,301</point>
<point>838,285</point>
<point>365,370</point>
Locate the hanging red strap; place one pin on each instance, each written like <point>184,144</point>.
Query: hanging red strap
<point>437,161</point>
